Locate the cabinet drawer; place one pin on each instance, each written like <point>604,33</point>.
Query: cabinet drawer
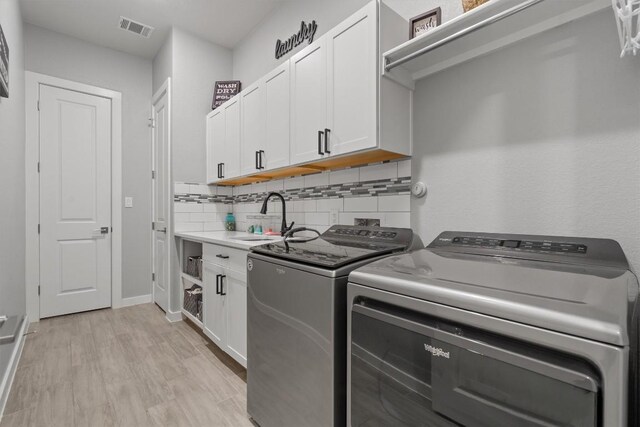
<point>234,259</point>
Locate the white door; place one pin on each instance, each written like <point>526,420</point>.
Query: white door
<point>231,157</point>
<point>75,201</point>
<point>215,145</point>
<point>277,131</point>
<point>215,320</point>
<point>235,287</point>
<point>352,83</point>
<point>161,195</point>
<point>309,103</point>
<point>253,122</point>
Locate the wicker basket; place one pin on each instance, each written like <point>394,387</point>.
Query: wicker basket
<point>467,5</point>
<point>193,301</point>
<point>194,267</point>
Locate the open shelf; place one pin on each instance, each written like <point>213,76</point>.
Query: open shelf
<point>491,26</point>
<point>192,280</point>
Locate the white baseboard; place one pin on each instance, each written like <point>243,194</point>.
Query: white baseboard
<point>174,316</point>
<point>142,299</point>
<point>7,381</point>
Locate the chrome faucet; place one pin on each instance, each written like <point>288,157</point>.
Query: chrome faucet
<point>263,211</point>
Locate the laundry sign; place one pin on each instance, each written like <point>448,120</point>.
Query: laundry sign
<point>306,32</point>
<point>224,91</point>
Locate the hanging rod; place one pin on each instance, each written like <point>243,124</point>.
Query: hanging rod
<point>495,18</point>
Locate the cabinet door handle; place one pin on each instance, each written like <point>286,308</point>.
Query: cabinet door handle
<point>257,165</point>
<point>260,163</point>
<point>320,143</point>
<point>222,256</point>
<point>222,170</point>
<point>218,276</point>
<point>222,292</point>
<point>219,173</point>
<point>326,140</point>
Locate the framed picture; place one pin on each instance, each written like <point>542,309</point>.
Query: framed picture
<point>422,23</point>
<point>4,66</point>
<point>223,91</point>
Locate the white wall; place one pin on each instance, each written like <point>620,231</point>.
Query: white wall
<point>539,138</point>
<point>69,58</point>
<point>197,64</point>
<point>12,207</point>
<point>254,56</point>
<point>163,63</point>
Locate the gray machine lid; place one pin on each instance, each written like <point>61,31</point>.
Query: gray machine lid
<point>577,286</point>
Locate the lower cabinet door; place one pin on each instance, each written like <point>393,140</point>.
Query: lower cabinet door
<point>235,286</point>
<point>215,302</point>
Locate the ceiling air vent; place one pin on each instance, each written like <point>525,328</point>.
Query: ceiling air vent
<point>135,27</point>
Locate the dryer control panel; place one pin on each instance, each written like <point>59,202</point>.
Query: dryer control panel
<point>572,250</point>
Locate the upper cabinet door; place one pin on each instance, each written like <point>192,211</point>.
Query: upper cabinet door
<point>308,102</point>
<point>352,68</point>
<point>253,119</point>
<point>277,135</point>
<point>215,144</point>
<point>231,158</point>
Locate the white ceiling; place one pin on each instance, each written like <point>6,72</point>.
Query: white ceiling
<point>224,22</point>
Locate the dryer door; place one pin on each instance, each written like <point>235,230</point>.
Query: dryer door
<point>410,369</point>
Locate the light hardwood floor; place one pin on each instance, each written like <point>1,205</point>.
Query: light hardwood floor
<point>126,367</point>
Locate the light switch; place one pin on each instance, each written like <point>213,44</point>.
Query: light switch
<point>128,202</point>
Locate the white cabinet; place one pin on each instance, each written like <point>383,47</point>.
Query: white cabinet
<point>215,144</point>
<point>334,91</point>
<point>277,114</point>
<point>215,313</point>
<point>328,100</point>
<point>225,301</point>
<point>308,102</point>
<point>223,142</point>
<point>253,113</point>
<point>351,84</point>
<point>265,122</point>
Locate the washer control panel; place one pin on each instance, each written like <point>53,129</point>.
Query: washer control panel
<point>521,245</point>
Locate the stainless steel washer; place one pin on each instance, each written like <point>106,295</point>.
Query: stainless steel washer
<point>495,330</point>
<point>296,335</point>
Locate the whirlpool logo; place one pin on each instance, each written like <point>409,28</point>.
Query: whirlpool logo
<point>436,351</point>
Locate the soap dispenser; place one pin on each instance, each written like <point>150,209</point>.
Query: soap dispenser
<point>230,222</point>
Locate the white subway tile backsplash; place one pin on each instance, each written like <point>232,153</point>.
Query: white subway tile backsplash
<point>224,191</point>
<point>344,176</point>
<point>260,187</point>
<point>181,188</point>
<point>188,226</point>
<point>310,205</point>
<point>379,171</point>
<point>404,168</point>
<point>316,218</point>
<point>361,204</point>
<point>293,183</point>
<point>396,219</point>
<point>316,180</point>
<point>306,205</point>
<point>276,185</point>
<point>188,207</point>
<point>181,217</point>
<point>327,205</point>
<point>399,203</point>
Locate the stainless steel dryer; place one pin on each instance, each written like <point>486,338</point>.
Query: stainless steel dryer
<point>495,330</point>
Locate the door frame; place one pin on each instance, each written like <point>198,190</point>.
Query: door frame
<point>32,187</point>
<point>165,87</point>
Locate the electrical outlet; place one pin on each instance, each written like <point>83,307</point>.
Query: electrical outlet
<point>128,202</point>
<point>333,216</point>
